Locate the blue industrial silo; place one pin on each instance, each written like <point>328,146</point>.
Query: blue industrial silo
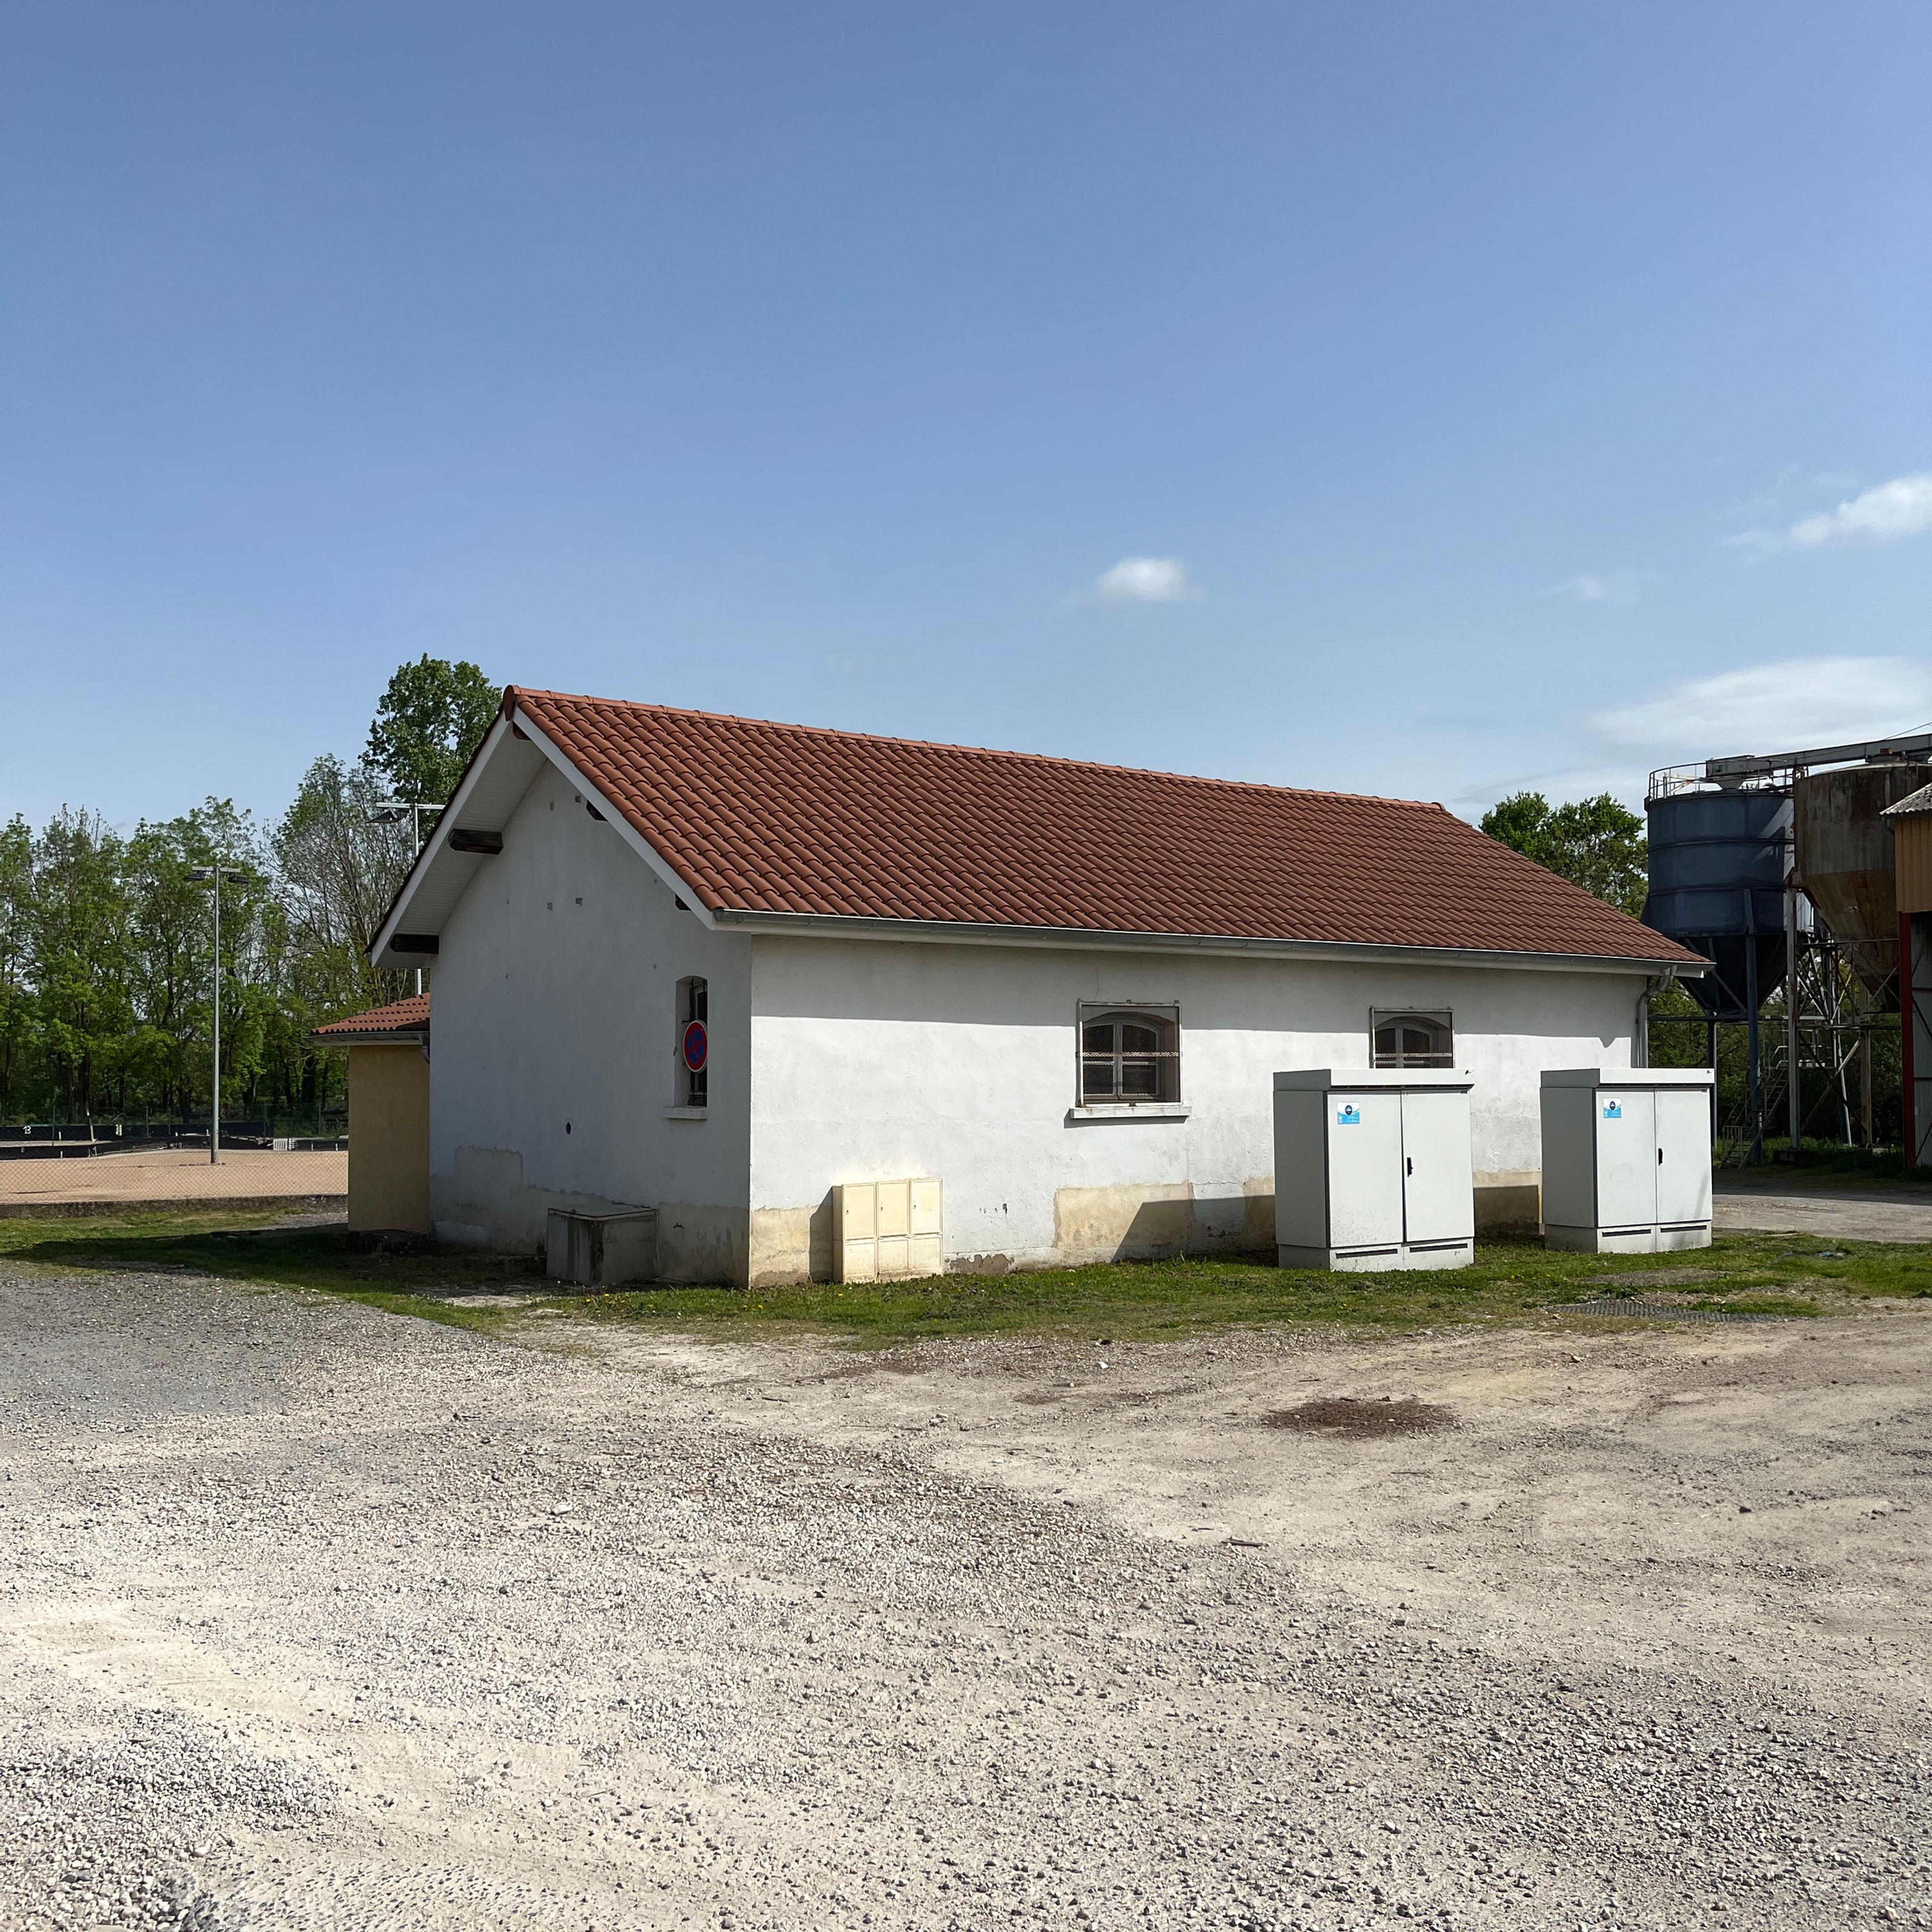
<point>1718,861</point>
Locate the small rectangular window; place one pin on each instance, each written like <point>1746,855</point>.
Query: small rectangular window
<point>1129,1055</point>
<point>693,1045</point>
<point>1412,1039</point>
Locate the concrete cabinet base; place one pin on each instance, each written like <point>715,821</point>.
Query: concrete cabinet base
<point>1626,1240</point>
<point>601,1250</point>
<point>1369,1261</point>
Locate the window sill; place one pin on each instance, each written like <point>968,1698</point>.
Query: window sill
<point>1125,1110</point>
<point>687,1113</point>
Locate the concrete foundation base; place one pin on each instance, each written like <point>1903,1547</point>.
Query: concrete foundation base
<point>1376,1260</point>
<point>1628,1240</point>
<point>1691,1234</point>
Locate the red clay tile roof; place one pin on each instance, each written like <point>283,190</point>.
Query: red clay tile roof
<point>409,1015</point>
<point>765,817</point>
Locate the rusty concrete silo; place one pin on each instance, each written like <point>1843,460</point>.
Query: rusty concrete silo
<point>1843,851</point>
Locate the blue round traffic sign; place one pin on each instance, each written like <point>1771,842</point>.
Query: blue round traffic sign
<point>697,1046</point>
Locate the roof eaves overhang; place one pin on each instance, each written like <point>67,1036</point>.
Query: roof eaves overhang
<point>828,925</point>
<point>440,875</point>
<point>680,887</point>
<point>491,790</point>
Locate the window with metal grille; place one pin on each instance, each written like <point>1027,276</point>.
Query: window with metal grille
<point>1412,1039</point>
<point>694,1043</point>
<point>1129,1055</point>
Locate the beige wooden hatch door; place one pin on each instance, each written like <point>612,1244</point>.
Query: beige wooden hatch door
<point>888,1230</point>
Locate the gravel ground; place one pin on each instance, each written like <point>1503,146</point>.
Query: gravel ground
<point>1845,1211</point>
<point>315,1617</point>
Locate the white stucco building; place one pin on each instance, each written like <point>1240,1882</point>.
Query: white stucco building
<point>1061,990</point>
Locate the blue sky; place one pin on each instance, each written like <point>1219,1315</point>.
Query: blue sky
<point>1407,399</point>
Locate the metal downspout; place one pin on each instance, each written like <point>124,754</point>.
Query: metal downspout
<point>1751,1039</point>
<point>1795,1104</point>
<point>1661,982</point>
<point>1908,1015</point>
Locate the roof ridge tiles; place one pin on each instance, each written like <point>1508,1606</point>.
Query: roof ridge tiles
<point>990,752</point>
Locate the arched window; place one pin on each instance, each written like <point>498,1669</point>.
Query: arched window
<point>1412,1039</point>
<point>693,1046</point>
<point>1128,1055</point>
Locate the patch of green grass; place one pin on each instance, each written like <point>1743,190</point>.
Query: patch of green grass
<point>251,1247</point>
<point>1760,1304</point>
<point>1512,1280</point>
<point>1828,1162</point>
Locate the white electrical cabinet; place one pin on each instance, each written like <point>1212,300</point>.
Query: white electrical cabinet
<point>1626,1159</point>
<point>1371,1169</point>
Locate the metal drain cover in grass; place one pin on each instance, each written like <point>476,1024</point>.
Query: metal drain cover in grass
<point>1343,1415</point>
<point>1633,1308</point>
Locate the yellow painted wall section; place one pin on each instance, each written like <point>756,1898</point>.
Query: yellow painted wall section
<point>388,1139</point>
<point>1911,851</point>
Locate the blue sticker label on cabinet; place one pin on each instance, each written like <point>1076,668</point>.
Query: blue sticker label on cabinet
<point>1347,1115</point>
<point>1613,1110</point>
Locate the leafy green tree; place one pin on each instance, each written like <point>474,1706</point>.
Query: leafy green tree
<point>339,869</point>
<point>78,933</point>
<point>106,965</point>
<point>431,717</point>
<point>16,981</point>
<point>1594,843</point>
<point>169,958</point>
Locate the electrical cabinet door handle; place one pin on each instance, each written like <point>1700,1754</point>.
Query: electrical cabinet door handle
<point>1660,1156</point>
<point>1412,1165</point>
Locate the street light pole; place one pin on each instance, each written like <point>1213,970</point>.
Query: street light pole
<point>214,1038</point>
<point>216,873</point>
<point>387,812</point>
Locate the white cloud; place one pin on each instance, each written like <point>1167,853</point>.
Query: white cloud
<point>841,664</point>
<point>1141,580</point>
<point>1884,514</point>
<point>1608,586</point>
<point>1621,779</point>
<point>1775,707</point>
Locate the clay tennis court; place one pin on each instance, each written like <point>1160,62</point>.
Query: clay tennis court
<point>164,1177</point>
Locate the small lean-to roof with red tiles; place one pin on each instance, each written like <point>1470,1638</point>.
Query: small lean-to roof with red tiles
<point>401,1020</point>
<point>761,821</point>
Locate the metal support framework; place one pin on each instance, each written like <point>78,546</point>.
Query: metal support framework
<point>1828,1014</point>
<point>1915,951</point>
<point>1824,1028</point>
<point>1829,1022</point>
<point>1794,1089</point>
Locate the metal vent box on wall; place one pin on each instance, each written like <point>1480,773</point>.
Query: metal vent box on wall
<point>1371,1169</point>
<point>1626,1159</point>
<point>887,1230</point>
